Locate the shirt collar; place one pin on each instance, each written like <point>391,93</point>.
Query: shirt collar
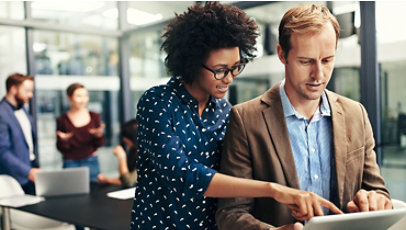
<point>183,94</point>
<point>15,108</point>
<point>323,110</point>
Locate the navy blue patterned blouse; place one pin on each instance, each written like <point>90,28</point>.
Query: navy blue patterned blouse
<point>179,153</point>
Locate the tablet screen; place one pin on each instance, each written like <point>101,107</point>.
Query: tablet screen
<point>376,220</point>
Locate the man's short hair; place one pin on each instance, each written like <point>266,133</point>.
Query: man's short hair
<point>304,19</point>
<point>16,79</point>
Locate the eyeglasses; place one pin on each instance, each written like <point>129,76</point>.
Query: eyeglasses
<point>221,73</point>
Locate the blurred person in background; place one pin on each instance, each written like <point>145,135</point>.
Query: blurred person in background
<point>80,132</point>
<point>18,150</point>
<point>126,159</point>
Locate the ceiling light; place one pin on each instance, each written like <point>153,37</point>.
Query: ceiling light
<point>72,6</point>
<point>138,17</point>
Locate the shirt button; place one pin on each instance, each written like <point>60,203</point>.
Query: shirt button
<point>313,150</point>
<point>316,176</point>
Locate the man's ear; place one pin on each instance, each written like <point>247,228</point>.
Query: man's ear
<point>13,90</point>
<point>281,54</point>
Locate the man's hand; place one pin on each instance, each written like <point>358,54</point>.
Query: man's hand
<point>31,174</point>
<point>295,226</point>
<point>64,136</point>
<point>365,201</point>
<point>304,205</point>
<point>98,132</point>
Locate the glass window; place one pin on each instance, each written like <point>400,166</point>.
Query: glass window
<point>140,13</point>
<point>392,59</point>
<point>95,14</point>
<point>346,82</point>
<point>12,10</point>
<point>146,62</point>
<point>74,54</point>
<point>64,58</point>
<point>146,59</point>
<point>12,54</point>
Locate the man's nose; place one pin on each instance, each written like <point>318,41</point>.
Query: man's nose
<point>317,70</point>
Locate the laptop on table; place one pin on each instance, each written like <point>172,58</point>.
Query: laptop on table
<point>70,181</point>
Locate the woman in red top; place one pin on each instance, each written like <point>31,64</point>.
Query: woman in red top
<point>80,132</point>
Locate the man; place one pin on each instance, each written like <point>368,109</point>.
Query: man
<point>301,135</point>
<point>18,155</point>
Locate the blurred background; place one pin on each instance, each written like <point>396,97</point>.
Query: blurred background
<point>113,48</point>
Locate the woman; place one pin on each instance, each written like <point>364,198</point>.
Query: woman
<point>182,125</point>
<point>126,160</point>
<point>80,132</point>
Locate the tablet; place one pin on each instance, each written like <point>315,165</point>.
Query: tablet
<point>376,220</point>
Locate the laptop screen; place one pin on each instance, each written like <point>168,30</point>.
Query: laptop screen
<point>68,181</point>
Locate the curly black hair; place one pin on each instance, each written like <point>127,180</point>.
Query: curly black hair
<point>190,36</point>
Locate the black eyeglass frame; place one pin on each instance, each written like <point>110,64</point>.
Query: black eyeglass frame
<point>227,70</point>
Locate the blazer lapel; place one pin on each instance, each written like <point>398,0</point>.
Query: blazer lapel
<point>340,147</point>
<point>276,125</point>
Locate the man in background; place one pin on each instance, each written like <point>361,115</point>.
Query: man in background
<point>18,153</point>
<point>301,135</point>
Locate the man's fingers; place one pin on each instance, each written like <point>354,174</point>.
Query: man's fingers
<point>373,201</point>
<point>388,204</point>
<point>298,226</point>
<point>302,204</point>
<point>295,226</point>
<point>368,201</point>
<point>318,211</point>
<point>381,204</point>
<point>352,207</point>
<point>310,211</point>
<point>361,200</point>
<point>330,206</point>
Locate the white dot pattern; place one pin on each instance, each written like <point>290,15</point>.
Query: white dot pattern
<point>178,154</point>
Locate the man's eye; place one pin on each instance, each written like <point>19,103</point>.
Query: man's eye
<point>305,62</point>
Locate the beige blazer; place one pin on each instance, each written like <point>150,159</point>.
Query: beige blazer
<point>257,146</point>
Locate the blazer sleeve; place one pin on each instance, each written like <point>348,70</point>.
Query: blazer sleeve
<point>10,161</point>
<point>371,178</point>
<point>235,213</point>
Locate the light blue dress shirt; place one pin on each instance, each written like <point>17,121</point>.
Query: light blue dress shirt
<point>312,146</point>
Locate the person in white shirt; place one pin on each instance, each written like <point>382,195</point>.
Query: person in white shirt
<point>18,153</point>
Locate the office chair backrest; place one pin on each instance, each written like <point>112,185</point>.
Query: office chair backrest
<point>21,220</point>
<point>9,186</point>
